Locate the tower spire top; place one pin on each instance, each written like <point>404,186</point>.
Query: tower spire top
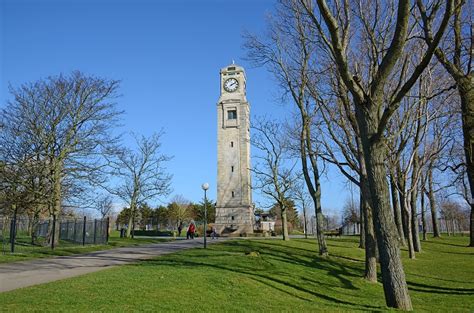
<point>233,62</point>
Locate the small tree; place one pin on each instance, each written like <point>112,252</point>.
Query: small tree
<point>179,210</point>
<point>141,173</point>
<point>274,175</point>
<point>105,206</point>
<point>58,127</point>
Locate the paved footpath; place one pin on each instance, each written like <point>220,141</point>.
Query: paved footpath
<point>27,273</point>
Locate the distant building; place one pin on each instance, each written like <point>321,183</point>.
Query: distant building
<point>264,222</point>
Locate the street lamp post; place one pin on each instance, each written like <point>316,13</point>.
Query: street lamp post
<point>205,187</point>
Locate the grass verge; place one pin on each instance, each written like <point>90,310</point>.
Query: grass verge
<point>262,276</point>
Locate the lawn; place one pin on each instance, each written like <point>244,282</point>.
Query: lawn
<point>27,251</point>
<point>259,275</point>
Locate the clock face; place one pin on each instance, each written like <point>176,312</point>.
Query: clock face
<point>231,85</point>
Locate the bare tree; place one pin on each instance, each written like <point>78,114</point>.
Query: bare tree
<point>141,173</point>
<point>274,170</point>
<point>457,60</point>
<point>64,121</point>
<point>343,148</point>
<point>368,79</point>
<point>453,215</point>
<point>179,209</point>
<point>288,52</point>
<point>105,206</point>
<point>302,199</point>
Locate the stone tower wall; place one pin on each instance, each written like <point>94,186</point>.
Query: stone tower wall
<point>234,209</point>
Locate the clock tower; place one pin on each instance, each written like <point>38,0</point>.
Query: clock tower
<point>234,208</point>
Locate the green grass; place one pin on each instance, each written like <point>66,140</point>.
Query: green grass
<point>281,277</point>
<point>26,251</point>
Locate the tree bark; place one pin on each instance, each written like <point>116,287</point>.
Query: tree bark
<point>284,223</point>
<point>131,218</point>
<point>305,223</point>
<point>396,210</point>
<point>362,215</point>
<point>431,197</point>
<point>413,201</point>
<point>466,93</point>
<point>409,229</point>
<point>406,214</point>
<point>55,208</point>
<point>314,189</point>
<point>423,217</point>
<point>370,241</point>
<point>393,275</point>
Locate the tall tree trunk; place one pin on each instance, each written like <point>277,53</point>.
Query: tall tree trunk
<point>413,201</point>
<point>471,227</point>
<point>466,93</point>
<point>362,223</point>
<point>409,229</point>
<point>284,223</point>
<point>393,275</point>
<point>431,197</point>
<point>323,249</point>
<point>406,214</point>
<point>396,210</point>
<point>305,223</point>
<point>401,181</point>
<point>131,218</point>
<point>423,217</point>
<point>370,241</point>
<point>55,208</point>
<point>414,223</point>
<point>314,189</point>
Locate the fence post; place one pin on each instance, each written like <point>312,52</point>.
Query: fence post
<point>53,232</point>
<point>107,231</point>
<point>12,234</point>
<point>84,232</point>
<point>95,230</point>
<point>67,230</point>
<point>74,234</point>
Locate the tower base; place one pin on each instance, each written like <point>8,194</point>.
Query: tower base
<point>234,221</point>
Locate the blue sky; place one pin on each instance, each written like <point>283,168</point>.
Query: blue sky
<point>167,55</point>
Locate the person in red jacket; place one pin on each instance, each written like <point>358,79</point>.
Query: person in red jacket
<point>191,230</point>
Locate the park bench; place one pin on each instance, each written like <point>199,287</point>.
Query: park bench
<point>333,232</point>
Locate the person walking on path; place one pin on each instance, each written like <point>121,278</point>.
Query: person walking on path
<point>191,230</point>
<point>214,233</point>
<point>180,228</point>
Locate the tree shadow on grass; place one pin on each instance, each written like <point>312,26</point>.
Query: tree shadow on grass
<point>443,279</point>
<point>439,289</point>
<point>347,258</point>
<point>268,279</point>
<point>328,265</point>
<point>441,242</point>
<point>452,252</point>
<point>271,254</point>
